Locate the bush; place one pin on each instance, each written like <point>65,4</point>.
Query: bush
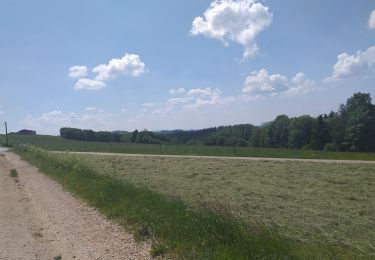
<point>306,147</point>
<point>345,146</point>
<point>330,147</point>
<point>242,142</point>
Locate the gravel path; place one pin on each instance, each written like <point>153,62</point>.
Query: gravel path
<point>39,220</point>
<point>224,157</point>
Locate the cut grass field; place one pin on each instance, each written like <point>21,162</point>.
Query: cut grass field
<point>177,230</point>
<point>228,209</point>
<point>324,207</point>
<point>56,143</point>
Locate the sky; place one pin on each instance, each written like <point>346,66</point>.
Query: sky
<point>158,65</point>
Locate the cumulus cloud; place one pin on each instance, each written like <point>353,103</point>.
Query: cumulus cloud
<point>177,91</point>
<point>89,84</point>
<point>238,21</point>
<point>300,84</point>
<point>207,97</point>
<point>78,72</point>
<point>50,122</point>
<point>179,100</point>
<point>57,117</point>
<point>187,100</point>
<point>361,64</point>
<point>54,118</point>
<point>260,84</point>
<point>129,65</point>
<point>203,92</point>
<point>371,20</point>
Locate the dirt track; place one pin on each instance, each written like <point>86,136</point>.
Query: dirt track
<point>39,220</point>
<point>224,157</point>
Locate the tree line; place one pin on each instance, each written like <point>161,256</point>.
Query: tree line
<point>89,135</point>
<point>351,128</point>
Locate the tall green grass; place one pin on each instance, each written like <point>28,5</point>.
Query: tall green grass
<point>56,143</point>
<point>174,228</point>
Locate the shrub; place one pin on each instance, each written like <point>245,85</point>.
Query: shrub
<point>13,173</point>
<point>330,147</point>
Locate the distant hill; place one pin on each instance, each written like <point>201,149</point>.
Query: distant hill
<point>351,128</point>
<point>24,132</point>
<point>222,135</point>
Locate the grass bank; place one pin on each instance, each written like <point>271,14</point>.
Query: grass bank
<point>56,143</point>
<point>175,229</point>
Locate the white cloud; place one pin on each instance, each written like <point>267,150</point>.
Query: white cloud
<point>57,118</point>
<point>203,92</point>
<point>361,64</point>
<point>122,109</point>
<point>260,84</point>
<point>206,97</point>
<point>91,109</point>
<point>177,91</point>
<point>94,118</point>
<point>300,85</point>
<point>147,106</point>
<point>54,118</point>
<point>191,99</point>
<point>371,20</point>
<point>89,84</point>
<point>211,101</point>
<point>50,122</point>
<point>163,110</point>
<point>179,100</point>
<point>239,21</point>
<point>129,65</point>
<point>78,72</point>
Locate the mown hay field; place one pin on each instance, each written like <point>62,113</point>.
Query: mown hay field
<point>56,143</point>
<point>311,202</point>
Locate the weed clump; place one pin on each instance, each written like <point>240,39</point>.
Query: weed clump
<point>158,250</point>
<point>13,173</point>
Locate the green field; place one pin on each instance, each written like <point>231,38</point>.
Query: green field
<point>314,203</point>
<point>175,229</point>
<point>323,208</point>
<point>56,143</point>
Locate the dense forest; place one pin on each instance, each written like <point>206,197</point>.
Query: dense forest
<point>351,128</point>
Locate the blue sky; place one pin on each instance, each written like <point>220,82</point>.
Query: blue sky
<point>109,65</point>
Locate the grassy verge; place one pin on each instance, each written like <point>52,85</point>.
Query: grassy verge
<point>174,228</point>
<point>57,143</point>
